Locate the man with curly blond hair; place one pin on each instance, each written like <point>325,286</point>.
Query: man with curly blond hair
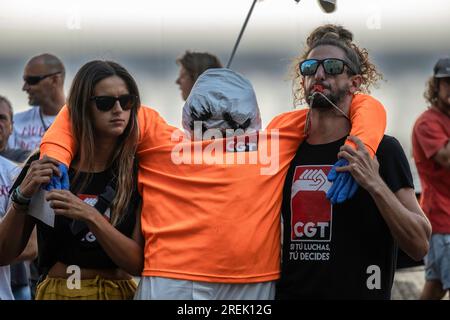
<point>334,249</point>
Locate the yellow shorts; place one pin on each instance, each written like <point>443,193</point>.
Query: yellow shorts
<point>89,289</point>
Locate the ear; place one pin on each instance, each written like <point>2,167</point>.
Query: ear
<point>355,83</point>
<point>55,79</point>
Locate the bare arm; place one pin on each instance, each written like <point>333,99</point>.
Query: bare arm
<point>16,227</point>
<point>443,156</point>
<point>30,252</point>
<point>404,217</point>
<point>401,212</point>
<point>127,253</point>
<point>15,231</point>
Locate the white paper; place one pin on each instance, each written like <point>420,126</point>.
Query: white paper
<point>40,208</point>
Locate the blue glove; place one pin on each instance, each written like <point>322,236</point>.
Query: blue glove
<point>344,186</point>
<point>332,175</point>
<point>59,183</point>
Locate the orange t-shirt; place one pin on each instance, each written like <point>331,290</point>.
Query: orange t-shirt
<point>215,222</point>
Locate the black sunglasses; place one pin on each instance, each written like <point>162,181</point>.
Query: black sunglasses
<point>33,80</point>
<point>106,103</point>
<point>331,66</point>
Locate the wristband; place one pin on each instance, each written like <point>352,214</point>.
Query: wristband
<point>19,198</point>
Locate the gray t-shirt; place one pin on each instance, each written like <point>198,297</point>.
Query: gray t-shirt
<point>8,171</point>
<point>29,127</point>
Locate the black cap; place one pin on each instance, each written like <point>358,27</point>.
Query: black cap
<point>442,68</point>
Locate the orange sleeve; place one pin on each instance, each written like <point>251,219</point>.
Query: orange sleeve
<point>368,118</point>
<point>292,120</point>
<point>58,141</point>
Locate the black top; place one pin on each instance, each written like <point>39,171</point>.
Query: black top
<point>62,244</point>
<point>337,252</point>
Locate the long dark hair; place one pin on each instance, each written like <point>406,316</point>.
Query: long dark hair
<point>79,105</point>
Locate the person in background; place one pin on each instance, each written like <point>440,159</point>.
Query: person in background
<point>20,271</point>
<point>6,129</point>
<point>43,78</point>
<point>431,151</point>
<point>192,65</point>
<point>7,173</point>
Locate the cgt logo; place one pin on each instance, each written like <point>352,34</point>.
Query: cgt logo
<point>311,212</point>
<point>311,229</point>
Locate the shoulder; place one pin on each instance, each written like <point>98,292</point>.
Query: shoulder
<point>288,118</point>
<point>8,169</point>
<point>361,99</point>
<point>365,98</point>
<point>7,164</point>
<point>394,166</point>
<point>371,106</point>
<point>25,114</point>
<point>152,126</point>
<point>390,151</point>
<point>148,111</point>
<point>388,144</point>
<point>293,114</point>
<point>429,117</point>
<point>430,120</point>
<point>148,115</point>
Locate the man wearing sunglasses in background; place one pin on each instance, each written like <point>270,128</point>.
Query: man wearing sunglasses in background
<point>44,83</point>
<point>334,250</point>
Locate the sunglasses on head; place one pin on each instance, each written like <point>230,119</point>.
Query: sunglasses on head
<point>106,103</point>
<point>331,66</point>
<point>33,80</point>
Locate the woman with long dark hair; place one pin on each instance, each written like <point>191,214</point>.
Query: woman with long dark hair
<point>96,241</point>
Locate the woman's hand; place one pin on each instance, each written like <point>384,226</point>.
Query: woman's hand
<point>64,202</point>
<point>39,173</point>
<point>362,167</point>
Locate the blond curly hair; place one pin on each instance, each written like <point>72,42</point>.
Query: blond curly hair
<point>338,36</point>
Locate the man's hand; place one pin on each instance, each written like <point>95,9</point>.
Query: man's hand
<point>362,167</point>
